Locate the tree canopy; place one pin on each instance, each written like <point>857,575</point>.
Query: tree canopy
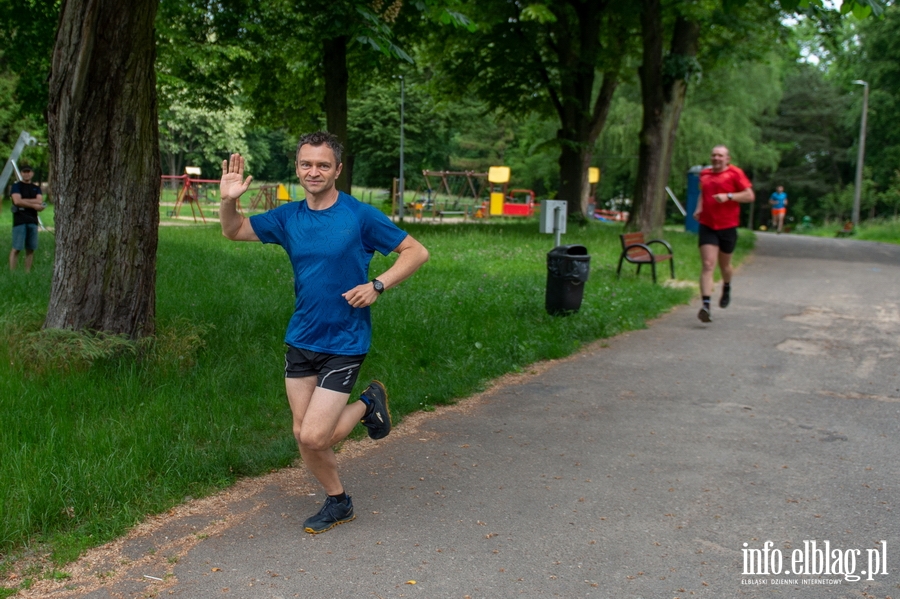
<point>549,87</point>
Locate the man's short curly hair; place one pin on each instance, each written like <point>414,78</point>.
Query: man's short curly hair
<point>322,137</point>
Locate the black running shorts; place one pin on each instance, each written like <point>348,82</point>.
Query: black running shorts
<point>726,239</point>
<point>332,372</point>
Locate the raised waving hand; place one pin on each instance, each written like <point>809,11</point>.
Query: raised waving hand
<point>233,184</point>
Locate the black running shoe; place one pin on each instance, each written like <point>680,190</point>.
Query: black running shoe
<point>726,297</point>
<point>378,420</point>
<point>703,315</point>
<point>334,512</point>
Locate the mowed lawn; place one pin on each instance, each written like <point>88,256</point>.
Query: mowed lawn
<point>90,448</point>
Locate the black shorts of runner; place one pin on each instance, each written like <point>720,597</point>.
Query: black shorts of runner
<point>332,371</point>
<point>726,239</point>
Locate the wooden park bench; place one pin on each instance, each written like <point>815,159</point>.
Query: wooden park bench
<point>847,230</point>
<point>637,251</point>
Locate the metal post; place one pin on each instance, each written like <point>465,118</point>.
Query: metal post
<point>556,226</point>
<point>860,157</point>
<point>402,142</point>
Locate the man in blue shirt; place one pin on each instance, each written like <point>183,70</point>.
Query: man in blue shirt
<point>27,201</point>
<point>778,201</point>
<point>330,239</point>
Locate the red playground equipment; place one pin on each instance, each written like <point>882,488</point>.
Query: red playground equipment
<point>189,193</point>
<point>267,197</point>
<point>520,202</point>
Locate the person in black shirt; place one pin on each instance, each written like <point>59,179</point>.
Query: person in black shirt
<point>27,202</point>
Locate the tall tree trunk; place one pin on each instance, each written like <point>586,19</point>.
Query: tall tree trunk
<point>577,138</point>
<point>650,150</point>
<point>663,90</point>
<point>336,82</point>
<point>685,42</point>
<point>578,49</point>
<point>104,144</point>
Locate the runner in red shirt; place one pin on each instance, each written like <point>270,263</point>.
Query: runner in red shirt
<point>722,188</point>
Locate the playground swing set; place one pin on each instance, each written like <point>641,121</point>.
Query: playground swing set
<point>469,194</point>
<point>192,190</point>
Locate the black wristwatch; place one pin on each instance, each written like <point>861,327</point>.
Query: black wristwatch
<point>378,285</point>
<point>730,196</point>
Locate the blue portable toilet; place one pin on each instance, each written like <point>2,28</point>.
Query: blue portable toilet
<point>693,196</point>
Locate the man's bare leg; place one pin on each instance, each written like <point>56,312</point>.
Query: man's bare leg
<point>321,419</point>
<point>709,255</point>
<point>726,269</point>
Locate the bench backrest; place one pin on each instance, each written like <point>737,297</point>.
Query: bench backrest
<point>630,239</point>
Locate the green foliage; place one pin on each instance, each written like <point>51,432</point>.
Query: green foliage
<point>860,8</point>
<point>809,129</point>
<point>878,63</point>
<point>679,66</point>
<point>205,51</point>
<point>55,350</point>
<point>884,230</point>
<point>34,351</point>
<point>374,132</point>
<point>202,137</point>
<point>726,106</point>
<point>874,203</point>
<point>13,120</point>
<point>26,45</point>
<point>463,135</point>
<point>274,154</point>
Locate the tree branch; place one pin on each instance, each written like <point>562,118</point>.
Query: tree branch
<point>603,103</point>
<point>541,67</point>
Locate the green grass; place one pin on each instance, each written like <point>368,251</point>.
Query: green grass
<point>886,230</point>
<point>89,451</point>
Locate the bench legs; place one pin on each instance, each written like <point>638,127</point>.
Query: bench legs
<point>652,268</point>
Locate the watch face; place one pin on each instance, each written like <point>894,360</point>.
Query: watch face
<point>379,286</point>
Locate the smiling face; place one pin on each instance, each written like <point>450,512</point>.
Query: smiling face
<point>317,169</point>
<point>27,175</point>
<point>719,158</point>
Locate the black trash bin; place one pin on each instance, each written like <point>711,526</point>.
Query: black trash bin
<point>568,267</point>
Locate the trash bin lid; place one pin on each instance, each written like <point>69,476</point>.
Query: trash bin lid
<point>568,250</point>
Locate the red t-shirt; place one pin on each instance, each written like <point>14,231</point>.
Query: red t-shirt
<point>727,214</point>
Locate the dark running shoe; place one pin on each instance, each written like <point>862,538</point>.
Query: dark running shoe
<point>334,512</point>
<point>378,420</point>
<point>726,297</point>
<point>703,315</point>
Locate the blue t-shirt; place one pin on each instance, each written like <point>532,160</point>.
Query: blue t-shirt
<point>779,200</point>
<point>330,251</point>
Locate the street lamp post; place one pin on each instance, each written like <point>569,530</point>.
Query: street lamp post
<point>401,183</point>
<point>860,157</point>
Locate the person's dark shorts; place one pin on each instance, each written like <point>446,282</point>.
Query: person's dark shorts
<point>25,237</point>
<point>332,371</point>
<point>725,239</point>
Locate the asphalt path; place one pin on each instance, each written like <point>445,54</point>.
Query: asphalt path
<point>657,464</point>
